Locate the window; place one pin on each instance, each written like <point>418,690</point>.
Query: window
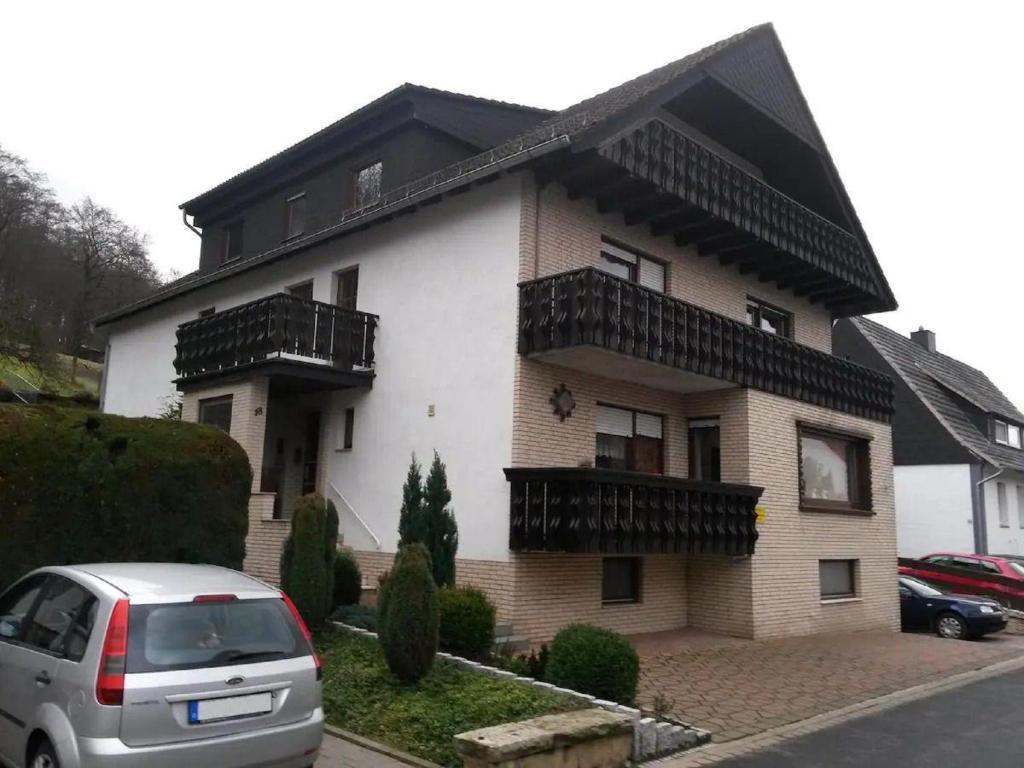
<point>629,440</point>
<point>16,604</point>
<point>295,215</point>
<point>620,580</point>
<point>217,412</point>
<point>705,450</point>
<point>1020,506</point>
<point>834,471</point>
<point>1007,434</point>
<point>231,244</point>
<point>302,290</point>
<point>62,623</point>
<point>1004,511</point>
<point>350,423</point>
<point>837,579</point>
<point>624,263</point>
<point>769,318</point>
<point>348,288</point>
<point>368,181</point>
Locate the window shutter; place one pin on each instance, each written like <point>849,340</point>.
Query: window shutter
<point>614,421</point>
<point>618,253</point>
<point>652,275</point>
<point>648,425</point>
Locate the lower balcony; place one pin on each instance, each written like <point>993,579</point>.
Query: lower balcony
<point>581,509</point>
<point>599,323</point>
<point>299,344</point>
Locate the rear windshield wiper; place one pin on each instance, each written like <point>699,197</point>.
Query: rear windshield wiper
<point>243,655</point>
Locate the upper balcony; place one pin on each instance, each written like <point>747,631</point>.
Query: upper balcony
<point>580,318</point>
<point>659,176</point>
<point>299,344</point>
<point>582,509</point>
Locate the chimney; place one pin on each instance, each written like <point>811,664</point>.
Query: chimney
<point>925,338</point>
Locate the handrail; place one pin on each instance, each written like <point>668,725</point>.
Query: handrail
<point>355,514</point>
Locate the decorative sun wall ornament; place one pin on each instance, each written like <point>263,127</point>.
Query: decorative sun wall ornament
<point>563,401</point>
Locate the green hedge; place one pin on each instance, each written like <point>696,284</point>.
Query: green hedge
<point>592,660</point>
<point>77,487</point>
<point>348,579</point>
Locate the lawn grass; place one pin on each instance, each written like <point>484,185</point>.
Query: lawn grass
<point>59,381</point>
<point>362,696</point>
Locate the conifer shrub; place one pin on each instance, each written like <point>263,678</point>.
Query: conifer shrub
<point>309,584</point>
<point>408,615</point>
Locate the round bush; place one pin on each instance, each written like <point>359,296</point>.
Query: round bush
<point>409,616</point>
<point>348,579</point>
<point>592,660</point>
<point>467,622</point>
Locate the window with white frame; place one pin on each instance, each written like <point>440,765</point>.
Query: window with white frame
<point>630,265</point>
<point>1004,510</point>
<point>1007,434</point>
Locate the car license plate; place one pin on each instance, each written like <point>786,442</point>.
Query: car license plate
<point>211,710</point>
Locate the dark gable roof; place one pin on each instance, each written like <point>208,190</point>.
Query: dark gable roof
<point>571,126</point>
<point>938,380</point>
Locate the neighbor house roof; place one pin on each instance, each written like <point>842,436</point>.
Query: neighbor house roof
<point>938,380</point>
<point>568,127</point>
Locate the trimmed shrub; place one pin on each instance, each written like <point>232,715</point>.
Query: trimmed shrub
<point>309,583</point>
<point>330,553</point>
<point>362,616</point>
<point>348,579</point>
<point>467,622</point>
<point>408,625</point>
<point>592,660</point>
<point>77,486</point>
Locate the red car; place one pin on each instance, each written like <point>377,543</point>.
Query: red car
<point>972,574</point>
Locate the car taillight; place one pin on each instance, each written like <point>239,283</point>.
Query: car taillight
<point>305,633</point>
<point>110,680</point>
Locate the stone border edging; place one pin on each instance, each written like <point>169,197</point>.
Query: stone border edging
<point>375,746</point>
<point>652,738</point>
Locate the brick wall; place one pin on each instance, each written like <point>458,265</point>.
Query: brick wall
<point>265,540</point>
<point>566,234</point>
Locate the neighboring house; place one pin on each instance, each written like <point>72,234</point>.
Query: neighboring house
<point>613,322</point>
<point>957,445</point>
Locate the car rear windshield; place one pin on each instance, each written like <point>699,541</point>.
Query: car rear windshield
<point>173,636</point>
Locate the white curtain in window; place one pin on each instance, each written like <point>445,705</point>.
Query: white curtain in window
<point>825,470</point>
<point>614,421</point>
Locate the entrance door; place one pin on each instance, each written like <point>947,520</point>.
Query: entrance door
<point>311,452</point>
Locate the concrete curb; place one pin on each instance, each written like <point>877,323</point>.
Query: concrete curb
<point>375,746</point>
<point>709,754</point>
<point>652,738</point>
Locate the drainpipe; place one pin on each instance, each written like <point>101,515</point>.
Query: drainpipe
<point>184,220</point>
<point>980,517</point>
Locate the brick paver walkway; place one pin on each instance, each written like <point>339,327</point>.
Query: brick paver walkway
<point>738,688</point>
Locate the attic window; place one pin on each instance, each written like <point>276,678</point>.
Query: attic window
<point>1007,434</point>
<point>231,244</point>
<point>368,184</point>
<point>295,215</point>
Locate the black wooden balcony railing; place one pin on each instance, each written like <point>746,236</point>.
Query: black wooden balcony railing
<point>677,164</point>
<point>598,510</point>
<point>589,307</point>
<point>272,327</point>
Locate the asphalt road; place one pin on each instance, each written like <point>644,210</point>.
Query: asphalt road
<point>980,725</point>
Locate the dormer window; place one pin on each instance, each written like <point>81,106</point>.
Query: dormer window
<point>231,244</point>
<point>1007,434</point>
<point>295,215</point>
<point>368,184</point>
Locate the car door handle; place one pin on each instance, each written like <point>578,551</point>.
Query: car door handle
<point>43,678</point>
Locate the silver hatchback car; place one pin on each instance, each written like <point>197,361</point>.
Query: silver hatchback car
<point>155,664</point>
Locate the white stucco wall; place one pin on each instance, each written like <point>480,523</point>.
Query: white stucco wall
<point>933,509</point>
<point>444,284</point>
<point>1007,540</point>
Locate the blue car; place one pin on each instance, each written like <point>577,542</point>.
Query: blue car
<point>956,617</point>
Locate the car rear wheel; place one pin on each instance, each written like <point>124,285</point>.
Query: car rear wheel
<point>951,627</point>
<point>44,756</point>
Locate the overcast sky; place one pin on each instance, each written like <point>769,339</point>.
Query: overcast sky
<point>143,105</point>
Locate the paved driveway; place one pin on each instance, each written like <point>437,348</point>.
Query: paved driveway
<point>735,688</point>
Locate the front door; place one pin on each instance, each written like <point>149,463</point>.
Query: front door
<point>311,453</point>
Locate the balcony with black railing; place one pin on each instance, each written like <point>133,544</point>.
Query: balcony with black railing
<point>579,509</point>
<point>587,310</point>
<point>283,335</point>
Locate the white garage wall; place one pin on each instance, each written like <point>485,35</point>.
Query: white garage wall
<point>1008,540</point>
<point>933,509</point>
<point>444,284</point>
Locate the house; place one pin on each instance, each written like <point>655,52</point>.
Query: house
<point>613,322</point>
<point>957,445</point>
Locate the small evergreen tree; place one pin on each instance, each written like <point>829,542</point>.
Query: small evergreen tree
<point>309,583</point>
<point>439,530</point>
<point>408,615</point>
<point>409,520</point>
<point>331,524</point>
